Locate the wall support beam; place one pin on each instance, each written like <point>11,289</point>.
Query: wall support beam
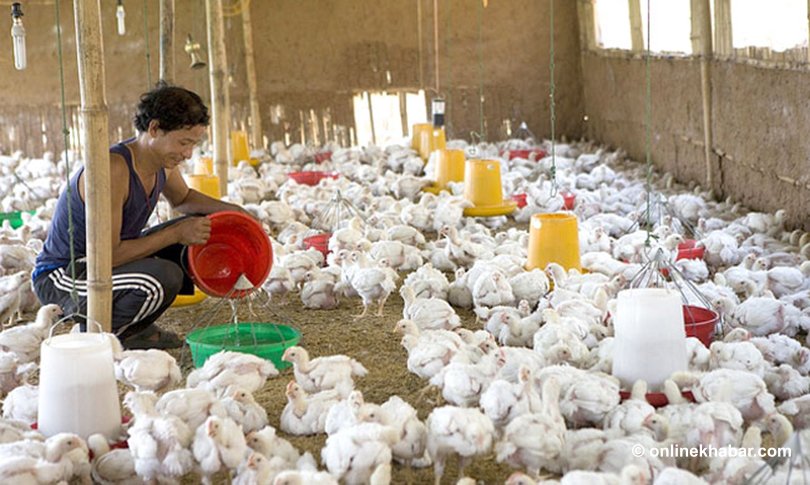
<point>250,71</point>
<point>167,40</point>
<point>220,109</point>
<point>702,32</point>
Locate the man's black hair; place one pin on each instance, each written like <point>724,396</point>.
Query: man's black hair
<point>173,107</point>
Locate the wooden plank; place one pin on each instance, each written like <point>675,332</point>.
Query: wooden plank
<point>723,45</point>
<point>167,40</point>
<point>636,35</point>
<point>220,109</point>
<point>250,72</point>
<point>95,138</point>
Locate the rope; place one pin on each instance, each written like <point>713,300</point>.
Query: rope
<point>148,55</point>
<point>66,135</point>
<point>553,190</point>
<point>648,129</point>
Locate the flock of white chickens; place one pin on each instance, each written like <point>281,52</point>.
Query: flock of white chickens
<point>531,384</point>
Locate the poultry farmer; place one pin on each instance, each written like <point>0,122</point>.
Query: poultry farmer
<point>147,272</point>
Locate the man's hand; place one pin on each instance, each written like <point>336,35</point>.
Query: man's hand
<point>194,230</point>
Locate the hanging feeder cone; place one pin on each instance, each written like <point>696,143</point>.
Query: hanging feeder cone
<point>431,139</point>
<point>482,187</point>
<point>553,238</point>
<point>449,168</point>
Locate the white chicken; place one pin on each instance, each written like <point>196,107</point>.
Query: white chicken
<point>759,315</point>
<point>227,368</point>
<point>458,431</point>
<point>746,391</point>
<point>269,444</point>
<point>493,291</point>
<point>428,313</point>
<point>218,445</point>
<point>737,355</point>
<point>22,404</point>
<point>411,442</point>
<point>242,408</point>
<point>158,443</point>
<point>344,413</point>
<point>535,441</point>
<point>372,283</point>
<point>503,401</point>
<point>111,466</point>
<point>353,453</point>
<point>305,414</point>
<point>318,292</point>
<point>530,286</point>
<point>25,340</point>
<point>148,370</point>
<point>279,282</point>
<point>323,373</point>
<point>192,406</point>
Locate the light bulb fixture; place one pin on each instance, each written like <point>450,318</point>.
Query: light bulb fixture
<point>193,49</point>
<point>18,36</point>
<point>120,15</point>
<point>437,106</point>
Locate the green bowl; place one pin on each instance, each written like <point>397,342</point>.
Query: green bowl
<point>266,340</point>
<point>15,218</point>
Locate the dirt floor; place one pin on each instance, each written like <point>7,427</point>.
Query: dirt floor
<point>328,332</point>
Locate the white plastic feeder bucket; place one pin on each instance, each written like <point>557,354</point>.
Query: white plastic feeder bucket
<point>77,389</point>
<point>650,338</point>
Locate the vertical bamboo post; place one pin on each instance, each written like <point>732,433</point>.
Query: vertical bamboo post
<point>167,40</point>
<point>250,71</point>
<point>587,31</point>
<point>636,35</point>
<point>808,25</point>
<point>217,62</point>
<point>403,112</point>
<point>722,22</point>
<point>95,137</point>
<point>371,118</point>
<point>701,14</point>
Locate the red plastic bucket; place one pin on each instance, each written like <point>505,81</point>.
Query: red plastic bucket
<point>311,177</point>
<point>689,250</point>
<point>238,245</point>
<point>569,200</point>
<point>700,323</point>
<point>323,157</point>
<point>520,199</point>
<point>530,154</point>
<point>658,399</point>
<point>319,242</point>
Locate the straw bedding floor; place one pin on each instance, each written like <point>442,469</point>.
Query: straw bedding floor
<point>327,332</point>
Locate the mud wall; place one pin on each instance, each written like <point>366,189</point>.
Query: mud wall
<point>761,157</point>
<point>312,56</point>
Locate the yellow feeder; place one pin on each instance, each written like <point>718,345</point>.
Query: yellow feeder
<point>553,238</point>
<point>208,185</point>
<point>204,166</point>
<point>482,187</point>
<point>239,147</point>
<point>432,139</point>
<point>416,135</point>
<point>449,168</point>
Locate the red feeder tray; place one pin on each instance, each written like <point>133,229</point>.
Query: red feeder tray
<point>323,157</point>
<point>311,177</point>
<point>123,444</point>
<point>700,323</point>
<point>689,250</point>
<point>319,242</point>
<point>238,245</point>
<point>658,399</point>
<point>569,200</point>
<point>520,199</point>
<point>530,154</point>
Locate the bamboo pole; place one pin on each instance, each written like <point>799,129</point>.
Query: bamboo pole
<point>95,137</point>
<point>403,112</point>
<point>636,35</point>
<point>587,31</point>
<point>702,13</point>
<point>167,40</point>
<point>250,70</point>
<point>220,122</point>
<point>722,22</point>
<point>807,51</point>
<point>371,119</point>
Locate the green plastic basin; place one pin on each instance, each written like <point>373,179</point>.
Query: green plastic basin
<point>15,218</point>
<point>265,340</point>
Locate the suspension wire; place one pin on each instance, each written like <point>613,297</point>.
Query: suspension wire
<point>481,135</point>
<point>66,136</point>
<point>148,55</point>
<point>436,42</point>
<point>554,188</point>
<point>648,130</point>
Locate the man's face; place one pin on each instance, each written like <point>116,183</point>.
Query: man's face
<point>176,146</point>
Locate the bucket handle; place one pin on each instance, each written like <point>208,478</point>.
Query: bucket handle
<point>65,318</point>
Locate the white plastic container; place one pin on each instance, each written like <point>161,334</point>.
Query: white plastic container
<point>650,337</point>
<point>77,388</point>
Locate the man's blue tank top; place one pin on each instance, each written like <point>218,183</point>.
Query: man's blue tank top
<point>135,214</point>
